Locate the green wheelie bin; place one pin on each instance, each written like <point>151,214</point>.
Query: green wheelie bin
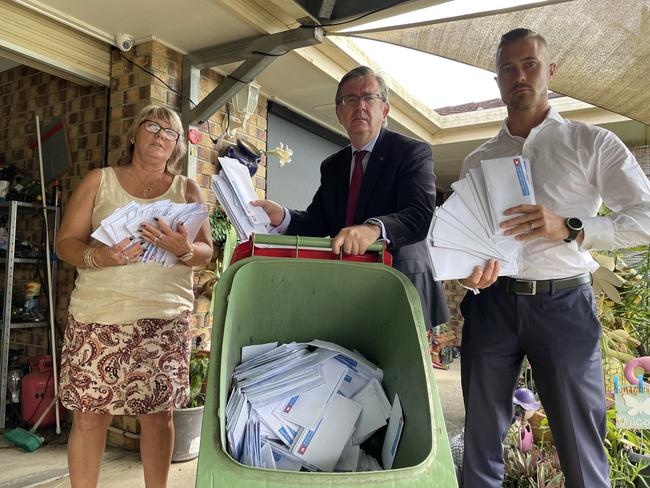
<point>368,307</point>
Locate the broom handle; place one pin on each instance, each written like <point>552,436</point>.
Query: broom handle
<point>50,301</point>
<point>43,414</point>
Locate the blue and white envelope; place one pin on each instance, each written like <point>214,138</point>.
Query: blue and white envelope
<point>323,443</point>
<point>508,184</point>
<point>393,434</point>
<point>305,408</point>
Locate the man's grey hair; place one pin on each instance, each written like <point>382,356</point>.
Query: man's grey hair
<point>362,72</point>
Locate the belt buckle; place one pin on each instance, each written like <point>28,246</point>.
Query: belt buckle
<point>533,287</point>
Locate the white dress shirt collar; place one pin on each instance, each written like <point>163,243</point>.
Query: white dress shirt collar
<point>368,147</point>
<point>551,115</point>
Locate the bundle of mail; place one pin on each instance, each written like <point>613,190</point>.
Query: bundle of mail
<point>126,221</point>
<point>309,406</point>
<point>465,230</point>
<point>234,190</point>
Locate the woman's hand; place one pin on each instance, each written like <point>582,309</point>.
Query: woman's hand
<point>123,253</point>
<point>164,237</point>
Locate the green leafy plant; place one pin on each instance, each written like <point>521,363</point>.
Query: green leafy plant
<point>623,296</point>
<point>618,443</point>
<point>199,361</point>
<point>219,225</point>
<point>225,237</point>
<point>633,311</point>
<point>537,468</point>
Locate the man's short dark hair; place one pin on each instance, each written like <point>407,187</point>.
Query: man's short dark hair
<point>362,72</point>
<point>521,33</point>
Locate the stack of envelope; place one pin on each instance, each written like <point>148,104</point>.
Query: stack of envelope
<point>309,406</point>
<point>234,190</point>
<point>125,222</point>
<point>465,231</point>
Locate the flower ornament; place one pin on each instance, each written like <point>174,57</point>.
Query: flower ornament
<point>282,152</point>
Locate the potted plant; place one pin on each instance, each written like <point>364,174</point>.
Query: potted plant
<point>537,468</point>
<point>623,304</point>
<point>188,420</point>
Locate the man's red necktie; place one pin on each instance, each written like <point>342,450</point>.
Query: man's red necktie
<point>355,187</point>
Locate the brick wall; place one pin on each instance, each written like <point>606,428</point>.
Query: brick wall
<point>454,294</point>
<point>24,93</point>
<point>132,89</point>
<point>207,154</point>
<point>254,132</point>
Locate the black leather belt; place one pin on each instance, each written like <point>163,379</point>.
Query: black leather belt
<point>528,287</point>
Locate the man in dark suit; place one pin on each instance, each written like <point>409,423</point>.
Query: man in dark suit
<point>381,186</point>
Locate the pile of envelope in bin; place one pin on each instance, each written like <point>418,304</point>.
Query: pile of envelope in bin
<point>465,230</point>
<point>309,406</point>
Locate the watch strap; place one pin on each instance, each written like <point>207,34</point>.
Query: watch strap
<point>186,257</point>
<point>573,232</point>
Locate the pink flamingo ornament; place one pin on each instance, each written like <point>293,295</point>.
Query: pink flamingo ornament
<point>631,366</point>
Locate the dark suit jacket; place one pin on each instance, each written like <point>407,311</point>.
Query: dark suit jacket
<point>398,187</point>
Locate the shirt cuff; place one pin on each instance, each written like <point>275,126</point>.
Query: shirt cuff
<point>284,225</point>
<point>598,234</point>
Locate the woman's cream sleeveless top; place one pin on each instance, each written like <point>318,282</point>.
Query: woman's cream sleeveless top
<point>123,294</point>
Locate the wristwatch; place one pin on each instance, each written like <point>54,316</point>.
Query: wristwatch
<point>377,223</point>
<point>574,224</point>
<point>187,256</point>
<point>374,221</point>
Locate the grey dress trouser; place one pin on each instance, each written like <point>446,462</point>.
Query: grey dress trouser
<point>559,332</point>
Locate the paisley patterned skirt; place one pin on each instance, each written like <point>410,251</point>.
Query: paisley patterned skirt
<point>126,369</point>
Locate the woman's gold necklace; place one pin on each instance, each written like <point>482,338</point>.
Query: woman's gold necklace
<point>146,190</point>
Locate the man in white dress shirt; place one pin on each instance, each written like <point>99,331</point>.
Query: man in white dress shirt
<point>547,312</point>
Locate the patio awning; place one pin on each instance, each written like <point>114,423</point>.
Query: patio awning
<point>602,48</point>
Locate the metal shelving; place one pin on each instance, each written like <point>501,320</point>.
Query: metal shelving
<point>13,210</point>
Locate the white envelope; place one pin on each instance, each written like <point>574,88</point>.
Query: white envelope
<point>375,410</point>
<point>452,264</point>
<point>349,459</point>
<point>237,433</point>
<point>448,228</point>
<point>304,409</point>
<point>240,179</point>
<point>353,359</point>
<point>393,434</point>
<point>477,184</point>
<point>352,382</point>
<point>283,429</point>
<point>323,443</point>
<point>251,352</point>
<point>507,184</point>
<point>267,459</point>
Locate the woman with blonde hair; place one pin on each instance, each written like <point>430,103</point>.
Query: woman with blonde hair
<point>127,343</point>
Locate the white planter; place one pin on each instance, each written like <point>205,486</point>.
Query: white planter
<point>187,433</point>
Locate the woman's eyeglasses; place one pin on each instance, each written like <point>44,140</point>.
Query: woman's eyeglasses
<point>169,134</point>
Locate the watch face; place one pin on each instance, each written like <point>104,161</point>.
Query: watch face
<point>574,223</point>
